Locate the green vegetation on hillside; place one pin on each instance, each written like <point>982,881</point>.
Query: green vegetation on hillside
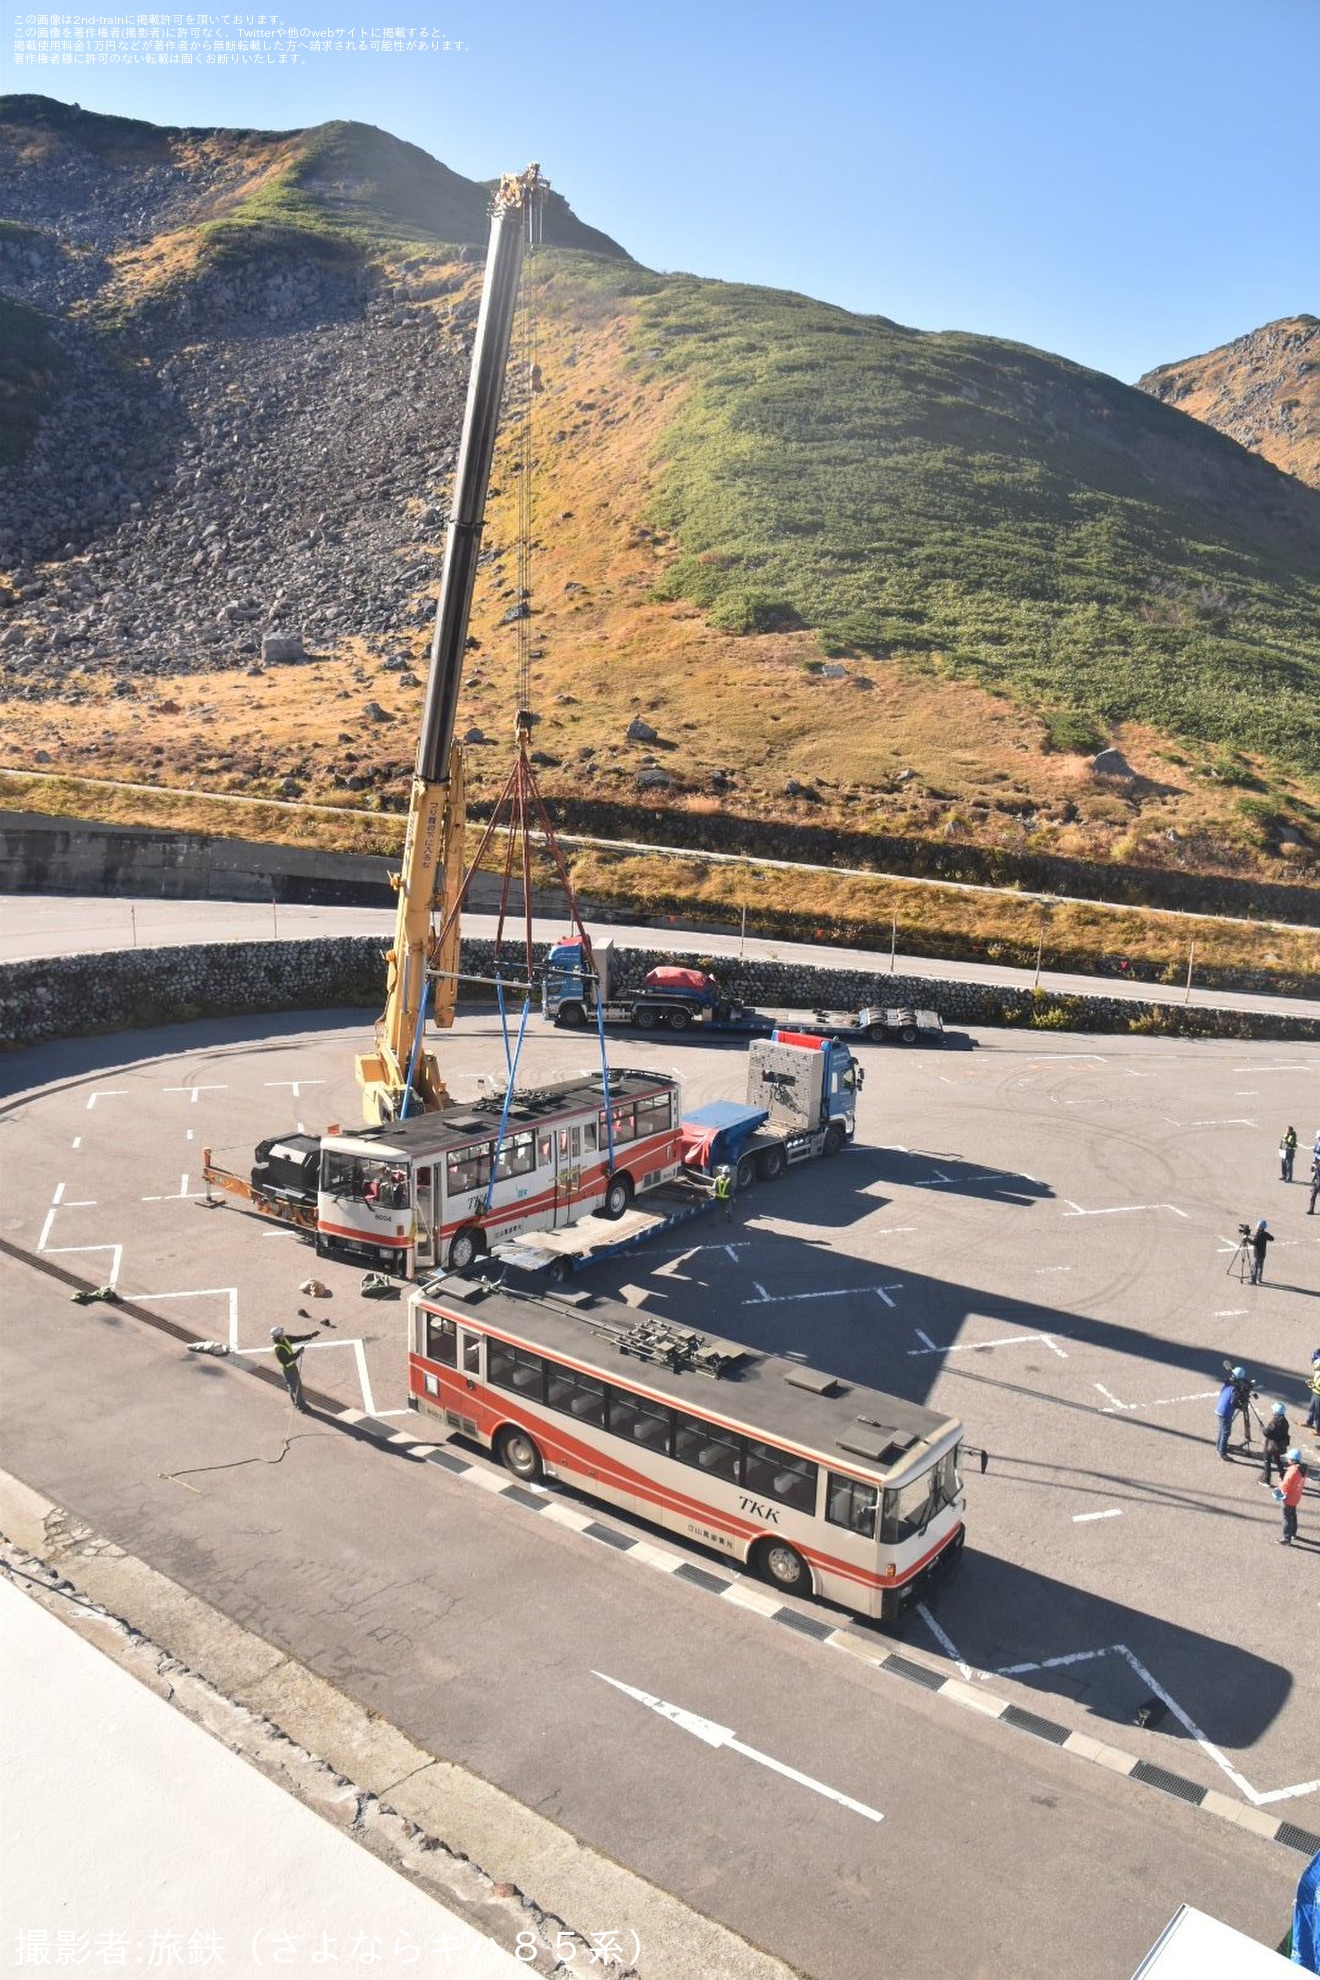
<point>1020,519</point>
<point>29,358</point>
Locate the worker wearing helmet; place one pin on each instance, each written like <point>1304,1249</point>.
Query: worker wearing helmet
<point>1261,1238</point>
<point>1313,1413</point>
<point>288,1353</point>
<point>1277,1436</point>
<point>724,1189</point>
<point>1289,1495</point>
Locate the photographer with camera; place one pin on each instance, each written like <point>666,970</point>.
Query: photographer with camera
<point>1235,1395</point>
<point>1260,1238</point>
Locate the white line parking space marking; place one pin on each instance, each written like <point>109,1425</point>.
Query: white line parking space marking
<point>1164,1402</point>
<point>940,1181</point>
<point>944,1640</point>
<point>717,1736</point>
<point>228,1293</point>
<point>1120,1209</point>
<point>1258,1070</point>
<point>76,1142</point>
<point>181,1195</point>
<point>59,1192</point>
<point>1052,1268</point>
<point>1113,1512</point>
<point>295,1085</point>
<point>104,1093</point>
<point>197,1090</point>
<point>976,1347</point>
<point>1255,1796</point>
<point>116,1255</point>
<point>1230,1313</point>
<point>764,1298</point>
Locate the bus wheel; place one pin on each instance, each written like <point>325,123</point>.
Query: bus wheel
<point>783,1567</point>
<point>834,1139</point>
<point>571,1016</point>
<point>518,1454</point>
<point>467,1247</point>
<point>618,1195</point>
<point>746,1171</point>
<point>771,1163</point>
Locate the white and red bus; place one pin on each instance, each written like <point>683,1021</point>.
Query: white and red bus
<point>822,1486</point>
<point>432,1193</point>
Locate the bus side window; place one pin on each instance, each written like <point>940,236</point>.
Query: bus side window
<point>640,1419</point>
<point>441,1340</point>
<point>707,1446</point>
<point>514,1368</point>
<point>776,1474</point>
<point>850,1503</point>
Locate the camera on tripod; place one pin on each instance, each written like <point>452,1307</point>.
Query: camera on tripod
<point>1244,1230</point>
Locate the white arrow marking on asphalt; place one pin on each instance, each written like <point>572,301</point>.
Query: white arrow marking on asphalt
<point>713,1735</point>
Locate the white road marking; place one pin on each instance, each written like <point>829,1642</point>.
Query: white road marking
<point>296,1085</point>
<point>1114,1512</point>
<point>1237,1120</point>
<point>1052,1268</point>
<point>187,1134</point>
<point>1057,1058</point>
<point>368,1400</point>
<point>834,1292</point>
<point>1258,1070</point>
<point>944,1640</point>
<point>1164,1402</point>
<point>227,1293</point>
<point>974,1347</point>
<point>939,1179</point>
<point>1255,1796</point>
<point>1120,1209</point>
<point>197,1090</point>
<point>895,1230</point>
<point>717,1736</point>
<point>116,1252</point>
<point>76,1142</point>
<point>176,1196</point>
<point>104,1093</point>
<point>59,1192</point>
<point>1230,1313</point>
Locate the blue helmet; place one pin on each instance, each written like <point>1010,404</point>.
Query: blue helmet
<point>1238,1373</point>
<point>1280,1409</point>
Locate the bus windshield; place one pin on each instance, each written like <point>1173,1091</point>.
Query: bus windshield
<point>909,1510</point>
<point>364,1178</point>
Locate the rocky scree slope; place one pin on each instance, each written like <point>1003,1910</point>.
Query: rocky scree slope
<point>270,420</point>
<point>1262,390</point>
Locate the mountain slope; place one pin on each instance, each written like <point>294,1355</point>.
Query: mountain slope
<point>850,572</point>
<point>1263,390</point>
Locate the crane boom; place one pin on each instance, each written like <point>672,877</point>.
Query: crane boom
<point>399,1076</point>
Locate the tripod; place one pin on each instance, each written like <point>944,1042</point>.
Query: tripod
<point>1242,1262</point>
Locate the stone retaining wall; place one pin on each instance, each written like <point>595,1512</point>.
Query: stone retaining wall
<point>138,988</point>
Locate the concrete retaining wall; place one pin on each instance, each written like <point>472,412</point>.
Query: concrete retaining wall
<point>137,988</point>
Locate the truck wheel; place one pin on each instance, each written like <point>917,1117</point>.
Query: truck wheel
<point>746,1171</point>
<point>618,1195</point>
<point>771,1163</point>
<point>679,1020</point>
<point>834,1139</point>
<point>909,1034</point>
<point>783,1567</point>
<point>572,1017</point>
<point>518,1453</point>
<point>466,1247</point>
<point>644,1017</point>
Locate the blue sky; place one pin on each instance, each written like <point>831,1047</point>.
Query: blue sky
<point>1124,181</point>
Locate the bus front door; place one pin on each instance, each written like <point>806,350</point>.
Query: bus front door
<point>568,1172</point>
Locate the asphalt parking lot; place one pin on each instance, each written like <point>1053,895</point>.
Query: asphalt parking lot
<point>1035,1231</point>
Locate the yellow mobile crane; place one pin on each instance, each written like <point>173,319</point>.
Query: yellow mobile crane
<point>400,1076</point>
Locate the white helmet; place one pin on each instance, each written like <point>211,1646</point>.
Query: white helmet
<point>277,1333</point>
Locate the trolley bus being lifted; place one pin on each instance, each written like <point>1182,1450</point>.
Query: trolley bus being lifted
<point>433,1192</point>
<point>822,1486</point>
